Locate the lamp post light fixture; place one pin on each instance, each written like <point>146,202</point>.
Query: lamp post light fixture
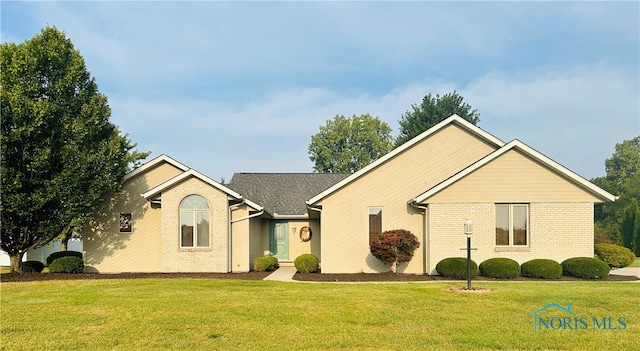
<point>468,231</point>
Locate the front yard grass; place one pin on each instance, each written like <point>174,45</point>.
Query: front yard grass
<point>635,263</point>
<point>190,314</point>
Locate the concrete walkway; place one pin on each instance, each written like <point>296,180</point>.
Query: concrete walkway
<point>282,274</point>
<point>626,271</point>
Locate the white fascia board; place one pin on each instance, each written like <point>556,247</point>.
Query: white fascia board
<point>455,119</point>
<point>153,162</point>
<point>193,173</point>
<point>517,144</point>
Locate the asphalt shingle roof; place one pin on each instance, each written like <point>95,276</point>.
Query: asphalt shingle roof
<point>283,193</point>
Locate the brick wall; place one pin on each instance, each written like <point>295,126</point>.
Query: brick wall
<point>557,231</point>
<point>211,259</point>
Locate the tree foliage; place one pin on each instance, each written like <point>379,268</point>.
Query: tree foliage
<point>432,111</point>
<point>394,247</point>
<point>620,220</point>
<point>59,152</point>
<point>345,145</point>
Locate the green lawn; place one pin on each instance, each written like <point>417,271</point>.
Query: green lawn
<point>190,314</point>
<point>635,263</point>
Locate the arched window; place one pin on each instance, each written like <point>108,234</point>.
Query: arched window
<point>194,222</point>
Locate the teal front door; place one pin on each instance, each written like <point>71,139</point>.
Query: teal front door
<point>279,240</point>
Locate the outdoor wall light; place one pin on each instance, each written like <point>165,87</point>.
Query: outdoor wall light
<point>468,227</point>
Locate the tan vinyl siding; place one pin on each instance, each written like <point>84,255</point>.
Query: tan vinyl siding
<point>296,246</point>
<point>108,251</point>
<point>345,242</point>
<point>513,177</point>
<point>256,240</point>
<point>240,242</point>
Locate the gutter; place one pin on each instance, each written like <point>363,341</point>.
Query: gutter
<point>425,231</point>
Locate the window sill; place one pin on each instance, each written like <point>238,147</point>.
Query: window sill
<point>512,249</point>
<point>194,249</point>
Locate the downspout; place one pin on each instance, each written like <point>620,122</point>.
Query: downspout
<point>425,231</point>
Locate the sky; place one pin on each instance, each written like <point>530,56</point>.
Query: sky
<point>228,87</point>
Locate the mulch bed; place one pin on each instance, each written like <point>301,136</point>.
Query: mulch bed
<point>312,277</point>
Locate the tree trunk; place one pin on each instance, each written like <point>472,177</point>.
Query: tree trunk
<point>64,242</point>
<point>15,262</point>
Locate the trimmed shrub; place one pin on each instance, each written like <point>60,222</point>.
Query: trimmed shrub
<point>265,263</point>
<point>67,264</point>
<point>56,255</point>
<point>541,268</point>
<point>615,256</point>
<point>394,247</point>
<point>500,267</point>
<point>306,263</point>
<point>585,267</point>
<point>32,266</point>
<point>456,267</point>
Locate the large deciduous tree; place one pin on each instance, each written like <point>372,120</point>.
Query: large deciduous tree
<point>619,222</point>
<point>432,111</point>
<point>59,152</point>
<point>345,145</point>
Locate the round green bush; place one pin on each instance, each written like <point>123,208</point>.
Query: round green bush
<point>58,254</point>
<point>67,264</point>
<point>306,263</point>
<point>500,267</point>
<point>585,267</point>
<point>31,266</point>
<point>615,256</point>
<point>456,268</point>
<point>265,263</point>
<point>541,268</point>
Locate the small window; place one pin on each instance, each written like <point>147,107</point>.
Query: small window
<point>375,222</point>
<point>512,224</point>
<point>126,224</point>
<point>194,222</point>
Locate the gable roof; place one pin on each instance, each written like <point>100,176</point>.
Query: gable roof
<point>283,193</point>
<point>193,173</point>
<point>522,147</point>
<point>162,158</point>
<point>453,119</point>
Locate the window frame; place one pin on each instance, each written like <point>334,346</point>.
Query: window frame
<point>125,218</point>
<point>512,235</point>
<point>381,214</point>
<point>194,213</point>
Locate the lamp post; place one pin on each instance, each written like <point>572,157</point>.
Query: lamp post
<point>468,230</point>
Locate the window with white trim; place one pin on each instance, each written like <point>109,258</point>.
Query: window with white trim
<point>375,222</point>
<point>512,224</point>
<point>194,222</point>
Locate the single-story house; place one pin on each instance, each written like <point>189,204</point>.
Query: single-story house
<point>523,206</point>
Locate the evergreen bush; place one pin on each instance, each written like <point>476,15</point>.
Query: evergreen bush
<point>500,267</point>
<point>541,268</point>
<point>32,266</point>
<point>456,268</point>
<point>265,263</point>
<point>615,256</point>
<point>306,263</point>
<point>585,267</point>
<point>67,264</point>
<point>58,254</point>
